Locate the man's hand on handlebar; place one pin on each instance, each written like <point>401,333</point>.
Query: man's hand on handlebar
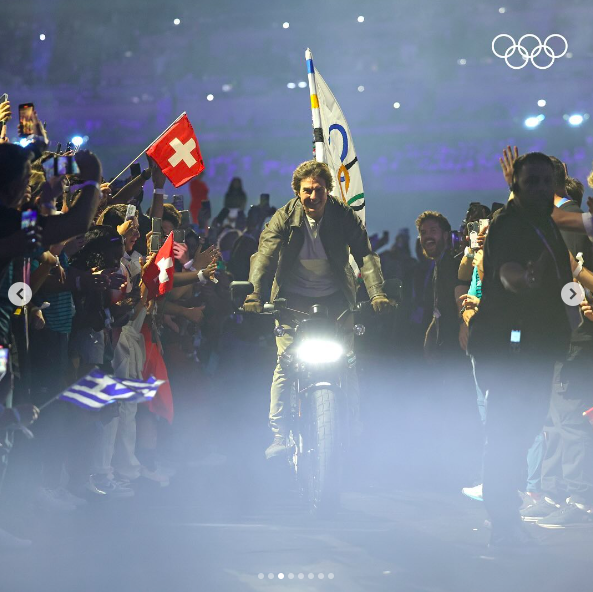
<point>382,304</point>
<point>253,303</point>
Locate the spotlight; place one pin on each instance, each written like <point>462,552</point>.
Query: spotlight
<point>302,84</point>
<point>361,19</point>
<point>24,142</point>
<point>176,21</point>
<point>541,103</point>
<point>77,141</point>
<point>227,87</point>
<point>576,120</point>
<point>533,122</point>
<point>210,98</point>
<point>502,10</point>
<point>291,85</point>
<point>361,88</point>
<point>462,62</point>
<point>42,37</point>
<point>285,25</point>
<point>396,105</point>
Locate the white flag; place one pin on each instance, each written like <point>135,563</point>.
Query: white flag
<point>339,151</point>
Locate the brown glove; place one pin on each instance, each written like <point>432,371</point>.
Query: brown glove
<point>382,304</point>
<point>253,303</point>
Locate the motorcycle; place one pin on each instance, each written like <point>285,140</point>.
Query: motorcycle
<point>321,414</point>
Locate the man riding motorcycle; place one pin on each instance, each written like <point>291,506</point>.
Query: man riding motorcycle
<point>307,245</point>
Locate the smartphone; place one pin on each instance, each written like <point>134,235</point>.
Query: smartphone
<point>515,340</point>
<point>157,226</point>
<point>185,218</point>
<point>179,236</point>
<point>130,212</point>
<point>3,99</point>
<point>3,360</point>
<point>473,229</point>
<point>483,223</point>
<point>178,202</point>
<point>27,119</point>
<point>28,219</point>
<point>60,165</point>
<point>135,170</point>
<point>155,241</point>
<point>264,200</point>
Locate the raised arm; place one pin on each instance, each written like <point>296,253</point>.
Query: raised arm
<point>80,216</point>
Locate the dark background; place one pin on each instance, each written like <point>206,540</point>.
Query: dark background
<point>120,71</point>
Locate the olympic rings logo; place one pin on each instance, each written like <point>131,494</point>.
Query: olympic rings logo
<point>525,54</point>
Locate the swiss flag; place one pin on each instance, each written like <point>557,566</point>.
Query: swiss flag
<point>158,278</point>
<point>177,152</point>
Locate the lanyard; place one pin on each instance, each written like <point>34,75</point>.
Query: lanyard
<point>541,236</point>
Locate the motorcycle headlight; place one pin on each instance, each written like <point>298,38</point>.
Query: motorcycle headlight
<point>319,351</point>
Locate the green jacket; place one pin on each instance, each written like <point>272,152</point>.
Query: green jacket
<point>341,233</point>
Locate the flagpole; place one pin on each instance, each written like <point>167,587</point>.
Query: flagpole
<point>317,129</point>
<point>147,147</point>
<point>49,402</point>
<point>59,395</point>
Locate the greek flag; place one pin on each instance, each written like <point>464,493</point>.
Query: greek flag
<point>97,389</point>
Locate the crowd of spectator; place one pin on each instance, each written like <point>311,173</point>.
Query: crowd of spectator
<point>489,293</point>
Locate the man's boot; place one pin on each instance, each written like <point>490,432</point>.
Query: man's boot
<point>278,447</point>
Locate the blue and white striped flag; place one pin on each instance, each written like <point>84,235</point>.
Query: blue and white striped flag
<point>97,389</point>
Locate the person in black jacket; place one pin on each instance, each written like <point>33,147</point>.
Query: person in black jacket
<point>521,330</point>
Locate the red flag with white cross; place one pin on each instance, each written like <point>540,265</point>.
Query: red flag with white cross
<point>158,277</point>
<point>177,152</point>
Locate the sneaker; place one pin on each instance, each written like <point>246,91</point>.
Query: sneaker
<point>154,476</point>
<point>90,490</point>
<point>166,469</point>
<point>568,516</point>
<point>50,500</point>
<point>529,498</point>
<point>10,542</point>
<point>541,509</point>
<point>278,447</point>
<point>65,495</point>
<point>474,493</point>
<point>115,489</point>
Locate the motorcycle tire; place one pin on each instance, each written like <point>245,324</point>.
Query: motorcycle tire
<point>325,470</point>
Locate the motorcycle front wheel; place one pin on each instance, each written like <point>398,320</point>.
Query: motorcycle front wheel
<point>324,465</point>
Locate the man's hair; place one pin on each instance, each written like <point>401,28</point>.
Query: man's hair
<point>113,216</point>
<point>98,242</point>
<point>529,158</point>
<point>560,175</point>
<point>311,168</point>
<point>171,213</point>
<point>590,179</point>
<point>437,217</point>
<point>575,190</point>
<point>13,160</point>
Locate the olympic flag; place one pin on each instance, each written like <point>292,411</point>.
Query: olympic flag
<point>333,141</point>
